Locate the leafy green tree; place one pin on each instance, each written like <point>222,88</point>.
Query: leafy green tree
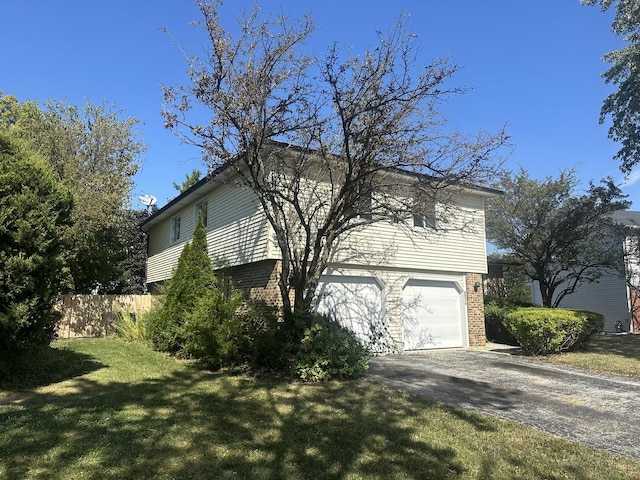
<point>34,207</point>
<point>563,238</point>
<point>130,272</point>
<point>96,153</point>
<point>190,180</point>
<point>8,110</point>
<point>624,104</point>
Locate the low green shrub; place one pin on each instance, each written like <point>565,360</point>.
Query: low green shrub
<point>329,351</point>
<point>163,329</point>
<point>213,332</point>
<point>263,344</point>
<point>541,331</point>
<point>494,315</point>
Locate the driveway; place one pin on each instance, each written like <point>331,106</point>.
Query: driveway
<point>598,410</point>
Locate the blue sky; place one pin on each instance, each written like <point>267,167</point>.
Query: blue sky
<point>534,66</point>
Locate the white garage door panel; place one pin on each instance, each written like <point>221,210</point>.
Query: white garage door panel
<point>356,302</point>
<point>432,314</point>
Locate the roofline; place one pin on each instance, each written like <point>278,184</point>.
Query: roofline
<point>200,183</point>
<point>490,192</point>
<point>484,191</point>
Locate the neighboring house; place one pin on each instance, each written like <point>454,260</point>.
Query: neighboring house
<point>421,288</point>
<point>495,281</point>
<point>615,293</point>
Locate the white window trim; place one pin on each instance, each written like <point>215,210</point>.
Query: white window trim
<point>421,220</point>
<point>175,233</point>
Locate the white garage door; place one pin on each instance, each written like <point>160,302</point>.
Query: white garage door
<point>356,302</point>
<point>432,314</point>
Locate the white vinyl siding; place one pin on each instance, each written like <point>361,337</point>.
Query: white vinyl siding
<point>237,232</point>
<point>458,246</point>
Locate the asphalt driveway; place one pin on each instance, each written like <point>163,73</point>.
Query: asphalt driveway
<point>599,410</point>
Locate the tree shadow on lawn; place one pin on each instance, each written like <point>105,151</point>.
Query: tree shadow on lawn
<point>200,425</point>
<point>44,367</point>
<point>194,424</point>
<point>627,346</point>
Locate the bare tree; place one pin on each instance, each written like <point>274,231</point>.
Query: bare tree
<point>369,141</point>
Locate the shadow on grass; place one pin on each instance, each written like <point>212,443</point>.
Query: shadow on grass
<point>187,423</point>
<point>200,425</point>
<point>621,345</point>
<point>44,367</point>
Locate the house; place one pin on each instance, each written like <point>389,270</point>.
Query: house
<point>614,294</point>
<point>417,286</point>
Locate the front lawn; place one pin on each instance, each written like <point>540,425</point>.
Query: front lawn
<point>619,354</point>
<point>132,413</point>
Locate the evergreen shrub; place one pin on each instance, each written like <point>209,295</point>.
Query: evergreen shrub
<point>329,351</point>
<point>34,208</point>
<point>495,311</point>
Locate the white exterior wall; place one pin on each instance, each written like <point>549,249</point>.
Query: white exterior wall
<point>459,247</point>
<point>237,232</point>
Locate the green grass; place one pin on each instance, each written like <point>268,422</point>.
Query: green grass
<point>133,413</point>
<point>619,354</point>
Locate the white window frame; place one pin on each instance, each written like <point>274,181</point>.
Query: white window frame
<point>175,228</point>
<point>425,219</point>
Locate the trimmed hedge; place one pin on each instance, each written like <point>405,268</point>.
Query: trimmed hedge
<point>541,331</point>
<point>495,311</point>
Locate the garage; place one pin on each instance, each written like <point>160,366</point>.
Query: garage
<point>433,314</point>
<point>355,301</point>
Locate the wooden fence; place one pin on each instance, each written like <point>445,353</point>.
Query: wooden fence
<point>96,315</point>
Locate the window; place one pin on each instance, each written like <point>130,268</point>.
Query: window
<point>201,210</point>
<point>362,207</point>
<point>424,214</point>
<point>175,229</point>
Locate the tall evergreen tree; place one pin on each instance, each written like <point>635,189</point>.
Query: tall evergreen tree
<point>34,207</point>
<point>95,152</point>
<point>192,278</point>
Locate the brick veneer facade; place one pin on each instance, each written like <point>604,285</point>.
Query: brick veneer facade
<point>475,310</point>
<point>259,281</point>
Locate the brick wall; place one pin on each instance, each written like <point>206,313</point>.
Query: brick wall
<point>475,310</point>
<point>258,281</point>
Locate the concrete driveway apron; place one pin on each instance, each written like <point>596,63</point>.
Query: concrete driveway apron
<point>598,410</point>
